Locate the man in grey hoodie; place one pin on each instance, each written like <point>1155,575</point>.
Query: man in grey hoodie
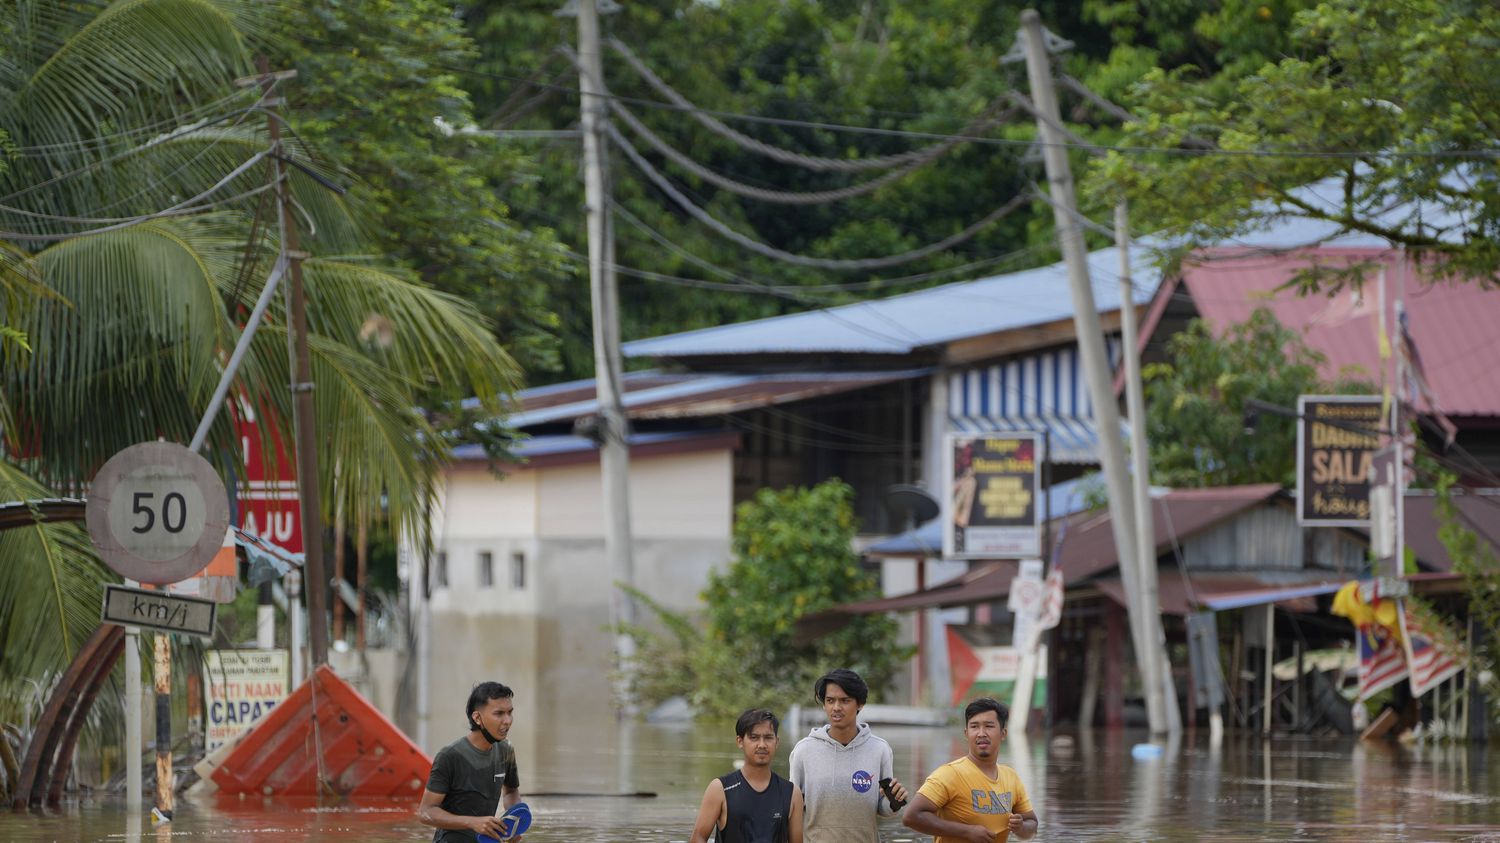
<point>842,768</point>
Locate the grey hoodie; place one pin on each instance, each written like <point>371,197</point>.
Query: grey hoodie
<point>841,785</point>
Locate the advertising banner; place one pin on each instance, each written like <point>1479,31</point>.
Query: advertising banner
<point>242,685</point>
<point>991,509</point>
<point>1337,437</point>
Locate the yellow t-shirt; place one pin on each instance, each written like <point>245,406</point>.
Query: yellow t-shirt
<point>964,794</point>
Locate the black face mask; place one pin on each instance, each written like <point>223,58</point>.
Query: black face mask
<point>486,732</point>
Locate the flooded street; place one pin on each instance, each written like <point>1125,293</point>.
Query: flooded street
<point>581,789</point>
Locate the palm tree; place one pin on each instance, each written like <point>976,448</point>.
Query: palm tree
<point>136,234</point>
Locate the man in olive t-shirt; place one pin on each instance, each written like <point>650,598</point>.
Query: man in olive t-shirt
<point>473,774</point>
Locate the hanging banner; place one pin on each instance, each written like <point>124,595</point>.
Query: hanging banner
<point>242,686</point>
<point>991,509</point>
<point>1337,437</point>
<point>269,503</point>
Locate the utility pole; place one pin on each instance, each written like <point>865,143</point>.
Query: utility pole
<point>1095,363</point>
<point>1135,404</point>
<point>613,429</point>
<point>302,387</point>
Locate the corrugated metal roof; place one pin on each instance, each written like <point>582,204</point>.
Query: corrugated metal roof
<point>1295,590</point>
<point>654,395</point>
<point>557,449</point>
<point>902,324</point>
<point>1453,325</point>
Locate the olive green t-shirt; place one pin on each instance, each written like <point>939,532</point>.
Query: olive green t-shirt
<point>470,781</point>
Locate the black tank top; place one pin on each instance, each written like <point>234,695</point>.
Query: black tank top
<point>753,816</point>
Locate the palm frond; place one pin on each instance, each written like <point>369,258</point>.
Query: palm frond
<point>121,62</point>
<point>130,350</point>
<point>50,588</point>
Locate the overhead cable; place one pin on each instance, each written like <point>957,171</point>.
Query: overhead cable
<point>780,197</point>
<point>770,289</point>
<point>810,162</point>
<point>126,153</point>
<point>758,247</point>
<point>191,205</point>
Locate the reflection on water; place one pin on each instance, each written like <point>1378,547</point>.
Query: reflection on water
<point>1245,790</point>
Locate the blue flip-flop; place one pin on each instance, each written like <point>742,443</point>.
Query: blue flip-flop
<point>513,824</point>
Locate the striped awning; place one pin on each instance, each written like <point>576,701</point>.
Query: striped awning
<point>1070,440</point>
<point>1041,391</point>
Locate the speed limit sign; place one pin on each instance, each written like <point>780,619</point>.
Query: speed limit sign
<point>157,512</point>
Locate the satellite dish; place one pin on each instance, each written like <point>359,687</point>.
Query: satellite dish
<point>911,504</point>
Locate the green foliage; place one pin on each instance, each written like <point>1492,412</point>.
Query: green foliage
<point>794,556</point>
<point>1474,559</point>
<point>1401,93</point>
<point>1195,404</point>
<point>377,93</point>
<point>113,112</point>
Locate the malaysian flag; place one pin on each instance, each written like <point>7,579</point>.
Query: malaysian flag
<point>1430,666</point>
<point>1381,660</point>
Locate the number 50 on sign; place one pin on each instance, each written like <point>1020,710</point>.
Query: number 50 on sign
<point>157,512</point>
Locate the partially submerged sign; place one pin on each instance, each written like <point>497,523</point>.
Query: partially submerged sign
<point>158,610</point>
<point>242,686</point>
<point>157,513</point>
<point>1337,437</point>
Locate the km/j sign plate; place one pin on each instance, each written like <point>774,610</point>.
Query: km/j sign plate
<point>158,610</point>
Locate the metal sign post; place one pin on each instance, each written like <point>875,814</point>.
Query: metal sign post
<point>157,513</point>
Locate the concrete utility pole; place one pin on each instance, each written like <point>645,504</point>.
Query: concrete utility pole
<point>1135,403</point>
<point>1095,363</point>
<point>613,427</point>
<point>302,398</point>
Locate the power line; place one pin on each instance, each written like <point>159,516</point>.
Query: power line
<point>787,156</point>
<point>1346,155</point>
<point>190,205</point>
<point>93,165</point>
<point>660,238</point>
<point>758,247</point>
<point>782,197</point>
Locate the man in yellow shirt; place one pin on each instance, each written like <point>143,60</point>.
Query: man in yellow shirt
<point>976,798</point>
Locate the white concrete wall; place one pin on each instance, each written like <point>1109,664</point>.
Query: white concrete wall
<point>550,639</point>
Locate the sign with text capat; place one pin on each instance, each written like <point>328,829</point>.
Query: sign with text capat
<point>242,686</point>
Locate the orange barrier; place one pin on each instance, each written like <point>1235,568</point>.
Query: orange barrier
<point>363,753</point>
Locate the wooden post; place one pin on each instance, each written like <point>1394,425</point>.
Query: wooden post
<point>163,683</point>
<point>1114,667</point>
<point>1265,713</point>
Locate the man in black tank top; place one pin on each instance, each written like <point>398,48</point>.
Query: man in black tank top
<point>752,804</point>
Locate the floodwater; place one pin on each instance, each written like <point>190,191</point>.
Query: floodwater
<point>1244,790</point>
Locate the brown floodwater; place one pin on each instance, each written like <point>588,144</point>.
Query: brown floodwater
<point>1246,789</point>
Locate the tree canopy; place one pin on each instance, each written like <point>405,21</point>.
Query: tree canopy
<point>1195,403</point>
<point>137,234</point>
<point>1395,102</point>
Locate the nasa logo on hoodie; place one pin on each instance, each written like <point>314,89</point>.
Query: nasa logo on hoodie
<point>862,781</point>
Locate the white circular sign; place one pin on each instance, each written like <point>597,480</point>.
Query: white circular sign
<point>157,513</point>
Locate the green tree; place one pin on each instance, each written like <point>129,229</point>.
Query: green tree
<point>1395,101</point>
<point>793,556</point>
<point>1195,403</point>
<point>134,212</point>
<point>379,95</point>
